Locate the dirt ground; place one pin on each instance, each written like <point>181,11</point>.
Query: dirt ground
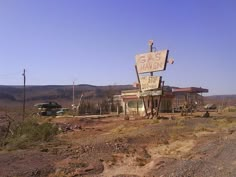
<point>171,146</point>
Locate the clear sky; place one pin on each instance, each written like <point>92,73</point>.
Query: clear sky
<point>95,41</point>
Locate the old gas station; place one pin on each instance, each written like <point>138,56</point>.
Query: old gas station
<point>151,96</point>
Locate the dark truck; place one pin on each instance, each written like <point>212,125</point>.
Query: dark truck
<point>48,109</point>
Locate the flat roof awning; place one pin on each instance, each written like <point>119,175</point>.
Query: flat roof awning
<point>190,90</point>
<point>129,94</point>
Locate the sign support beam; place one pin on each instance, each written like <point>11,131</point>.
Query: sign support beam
<point>151,86</point>
<point>145,108</point>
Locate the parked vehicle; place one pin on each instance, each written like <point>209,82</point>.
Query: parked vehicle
<point>210,106</point>
<point>62,111</point>
<point>49,105</point>
<point>48,109</point>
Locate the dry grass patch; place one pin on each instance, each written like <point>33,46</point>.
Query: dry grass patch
<point>30,132</point>
<point>226,123</point>
<point>122,129</point>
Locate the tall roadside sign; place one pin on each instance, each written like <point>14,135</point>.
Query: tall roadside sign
<point>151,85</point>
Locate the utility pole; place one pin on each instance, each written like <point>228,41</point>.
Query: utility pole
<point>150,43</point>
<point>73,99</point>
<point>24,95</point>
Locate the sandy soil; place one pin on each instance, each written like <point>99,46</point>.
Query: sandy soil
<point>172,146</point>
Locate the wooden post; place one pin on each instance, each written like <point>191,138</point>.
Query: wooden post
<point>125,109</point>
<point>100,109</point>
<point>117,108</point>
<point>137,108</point>
<point>160,97</point>
<point>144,104</point>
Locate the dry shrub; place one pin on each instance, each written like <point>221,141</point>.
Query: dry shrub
<point>225,123</point>
<point>58,174</point>
<point>176,133</point>
<point>202,128</point>
<point>181,123</point>
<point>30,132</point>
<point>155,121</point>
<point>121,129</point>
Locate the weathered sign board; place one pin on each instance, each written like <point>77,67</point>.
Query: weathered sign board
<point>152,61</point>
<point>150,93</point>
<point>150,82</point>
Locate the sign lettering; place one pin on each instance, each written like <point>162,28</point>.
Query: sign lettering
<point>150,82</point>
<point>150,93</point>
<point>152,61</point>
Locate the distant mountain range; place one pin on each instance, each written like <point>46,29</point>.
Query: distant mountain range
<point>223,100</point>
<point>64,93</point>
<point>54,92</point>
<point>222,96</point>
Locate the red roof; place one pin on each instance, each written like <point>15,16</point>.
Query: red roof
<point>190,90</point>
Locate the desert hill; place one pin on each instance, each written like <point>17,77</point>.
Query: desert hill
<point>54,92</point>
<point>221,100</point>
<point>12,96</point>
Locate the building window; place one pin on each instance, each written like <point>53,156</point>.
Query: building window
<point>133,104</point>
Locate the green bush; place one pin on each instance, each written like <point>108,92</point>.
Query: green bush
<point>30,132</point>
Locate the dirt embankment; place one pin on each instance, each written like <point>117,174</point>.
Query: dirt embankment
<point>190,146</point>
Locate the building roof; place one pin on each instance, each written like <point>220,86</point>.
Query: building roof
<point>129,94</point>
<point>190,90</point>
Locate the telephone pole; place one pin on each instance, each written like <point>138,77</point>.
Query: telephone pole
<point>150,43</point>
<point>73,99</point>
<point>24,95</point>
<point>73,94</point>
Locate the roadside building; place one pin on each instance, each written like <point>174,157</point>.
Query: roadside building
<point>133,104</point>
<point>173,99</point>
<point>190,97</point>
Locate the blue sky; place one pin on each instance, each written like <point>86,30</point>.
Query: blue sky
<point>95,41</point>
